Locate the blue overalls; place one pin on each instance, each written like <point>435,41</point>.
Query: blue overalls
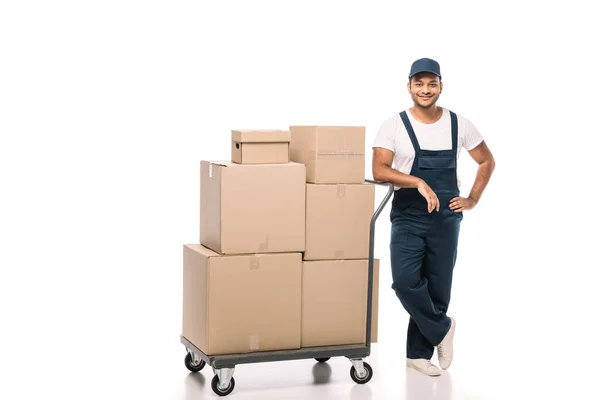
<point>423,245</point>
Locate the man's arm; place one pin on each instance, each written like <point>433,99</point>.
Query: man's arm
<point>482,156</point>
<point>383,172</point>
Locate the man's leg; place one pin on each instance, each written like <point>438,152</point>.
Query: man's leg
<point>407,250</point>
<point>417,344</point>
<point>438,268</point>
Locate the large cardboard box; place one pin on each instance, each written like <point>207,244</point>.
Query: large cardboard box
<point>338,218</point>
<point>260,146</point>
<point>334,302</point>
<point>242,303</point>
<point>247,209</point>
<point>332,154</point>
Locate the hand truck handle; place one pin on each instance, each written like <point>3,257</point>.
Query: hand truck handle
<point>372,253</point>
<point>385,200</point>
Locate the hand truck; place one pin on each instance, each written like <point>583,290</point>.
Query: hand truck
<point>361,372</point>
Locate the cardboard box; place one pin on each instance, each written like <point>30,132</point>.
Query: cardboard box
<point>338,218</point>
<point>334,302</point>
<point>260,146</point>
<point>243,303</point>
<point>247,209</point>
<point>332,154</point>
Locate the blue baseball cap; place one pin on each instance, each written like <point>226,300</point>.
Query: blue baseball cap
<point>425,65</point>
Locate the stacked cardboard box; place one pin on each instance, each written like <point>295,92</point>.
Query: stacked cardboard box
<point>339,207</point>
<point>282,261</point>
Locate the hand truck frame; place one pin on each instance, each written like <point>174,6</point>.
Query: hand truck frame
<point>361,372</point>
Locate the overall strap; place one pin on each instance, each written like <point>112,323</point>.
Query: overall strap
<point>411,132</point>
<point>454,124</point>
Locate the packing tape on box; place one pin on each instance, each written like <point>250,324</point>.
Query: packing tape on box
<point>210,170</point>
<point>322,154</point>
<point>341,190</point>
<point>254,342</point>
<point>313,155</point>
<point>339,254</point>
<point>264,246</point>
<point>254,262</point>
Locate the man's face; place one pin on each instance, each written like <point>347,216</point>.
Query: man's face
<point>425,89</point>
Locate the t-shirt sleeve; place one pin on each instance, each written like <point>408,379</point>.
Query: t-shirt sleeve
<point>385,137</point>
<point>472,136</point>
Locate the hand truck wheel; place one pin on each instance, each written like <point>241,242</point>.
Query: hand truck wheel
<point>365,376</point>
<point>222,391</point>
<point>193,366</point>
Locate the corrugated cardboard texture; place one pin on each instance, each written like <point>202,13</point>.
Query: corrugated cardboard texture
<point>210,205</point>
<point>195,263</point>
<point>375,304</point>
<point>241,304</point>
<point>334,302</point>
<point>260,153</point>
<point>260,208</point>
<point>260,136</point>
<point>337,221</point>
<point>332,154</point>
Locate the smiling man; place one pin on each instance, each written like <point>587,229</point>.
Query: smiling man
<point>417,150</point>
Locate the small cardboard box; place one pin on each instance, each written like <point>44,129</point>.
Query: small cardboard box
<point>332,154</point>
<point>260,146</point>
<point>334,302</point>
<point>247,209</point>
<point>243,303</point>
<point>338,219</point>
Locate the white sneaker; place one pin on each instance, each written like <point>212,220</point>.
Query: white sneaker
<point>423,365</point>
<point>445,349</point>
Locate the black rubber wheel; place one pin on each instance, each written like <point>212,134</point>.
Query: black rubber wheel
<point>215,386</point>
<point>322,359</point>
<point>189,365</point>
<point>358,379</point>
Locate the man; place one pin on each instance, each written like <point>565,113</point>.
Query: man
<point>423,144</point>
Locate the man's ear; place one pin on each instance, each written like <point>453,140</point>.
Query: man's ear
<point>408,86</point>
<point>441,87</point>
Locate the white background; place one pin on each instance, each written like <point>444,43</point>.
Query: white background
<point>107,108</point>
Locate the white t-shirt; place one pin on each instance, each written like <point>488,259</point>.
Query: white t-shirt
<point>392,135</point>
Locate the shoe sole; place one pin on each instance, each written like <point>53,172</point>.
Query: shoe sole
<point>452,341</point>
<point>423,372</point>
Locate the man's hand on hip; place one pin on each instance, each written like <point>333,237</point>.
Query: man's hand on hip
<point>458,204</point>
